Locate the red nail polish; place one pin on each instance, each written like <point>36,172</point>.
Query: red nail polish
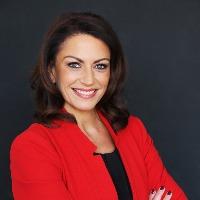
<point>152,191</point>
<point>162,187</point>
<point>169,192</point>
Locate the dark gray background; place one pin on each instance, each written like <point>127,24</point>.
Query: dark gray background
<point>161,41</point>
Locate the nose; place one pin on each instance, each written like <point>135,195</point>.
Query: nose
<point>87,76</point>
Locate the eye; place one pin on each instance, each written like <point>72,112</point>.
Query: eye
<point>101,66</point>
<point>73,65</point>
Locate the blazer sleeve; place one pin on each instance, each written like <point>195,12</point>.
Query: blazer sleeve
<point>35,169</point>
<point>157,173</point>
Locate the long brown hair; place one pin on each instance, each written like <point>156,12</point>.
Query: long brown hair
<point>49,101</point>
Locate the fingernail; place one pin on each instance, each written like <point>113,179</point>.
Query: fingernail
<point>152,191</point>
<point>169,192</point>
<point>162,187</point>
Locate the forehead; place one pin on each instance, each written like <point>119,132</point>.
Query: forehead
<point>84,46</point>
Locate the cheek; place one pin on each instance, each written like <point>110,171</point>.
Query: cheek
<point>66,78</point>
<point>105,79</point>
<point>102,80</point>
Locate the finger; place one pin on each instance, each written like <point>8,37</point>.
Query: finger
<point>159,193</point>
<point>168,196</point>
<point>152,194</point>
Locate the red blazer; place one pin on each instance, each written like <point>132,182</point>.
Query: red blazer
<point>58,164</point>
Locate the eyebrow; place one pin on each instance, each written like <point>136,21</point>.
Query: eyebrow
<point>81,61</point>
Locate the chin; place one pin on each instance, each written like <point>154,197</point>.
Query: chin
<point>85,107</point>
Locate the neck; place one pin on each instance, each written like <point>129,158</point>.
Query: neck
<point>84,117</point>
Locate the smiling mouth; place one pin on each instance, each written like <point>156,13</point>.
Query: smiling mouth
<point>86,94</point>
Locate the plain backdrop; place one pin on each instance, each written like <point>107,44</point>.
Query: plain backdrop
<point>161,41</point>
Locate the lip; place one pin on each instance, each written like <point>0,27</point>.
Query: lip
<point>85,96</point>
<point>85,90</point>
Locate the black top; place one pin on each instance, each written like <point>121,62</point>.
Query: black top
<point>118,174</point>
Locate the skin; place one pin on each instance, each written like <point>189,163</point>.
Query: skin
<point>83,61</point>
<point>92,72</point>
<point>159,194</point>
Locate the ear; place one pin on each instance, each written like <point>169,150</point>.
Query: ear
<point>52,74</point>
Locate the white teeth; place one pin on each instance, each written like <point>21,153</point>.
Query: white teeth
<point>84,92</point>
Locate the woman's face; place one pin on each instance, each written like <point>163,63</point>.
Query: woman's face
<point>82,71</point>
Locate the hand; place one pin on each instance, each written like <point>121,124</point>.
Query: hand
<point>158,195</point>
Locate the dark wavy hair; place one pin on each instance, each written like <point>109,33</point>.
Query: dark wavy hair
<point>49,101</point>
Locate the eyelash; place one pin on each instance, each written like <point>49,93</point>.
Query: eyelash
<point>102,65</point>
<point>72,65</point>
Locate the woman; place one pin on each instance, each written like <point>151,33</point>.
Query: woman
<point>84,143</point>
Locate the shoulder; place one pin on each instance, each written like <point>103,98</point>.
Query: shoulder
<point>136,129</point>
<point>37,132</point>
<point>30,150</point>
<point>134,120</point>
<point>34,133</point>
<point>136,124</point>
<point>33,142</point>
